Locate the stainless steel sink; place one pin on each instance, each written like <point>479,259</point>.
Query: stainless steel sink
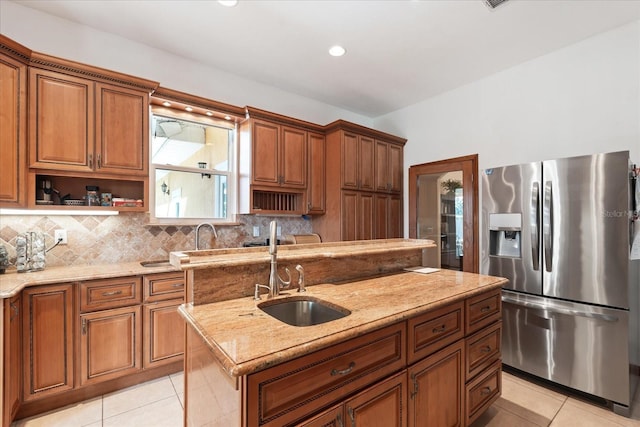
<point>303,310</point>
<point>159,263</point>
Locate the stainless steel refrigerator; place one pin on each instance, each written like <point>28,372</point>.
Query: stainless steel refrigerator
<point>561,232</point>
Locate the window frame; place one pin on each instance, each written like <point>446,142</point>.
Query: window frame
<point>231,174</point>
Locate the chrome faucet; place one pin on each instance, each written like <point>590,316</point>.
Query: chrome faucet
<point>213,231</point>
<point>275,281</point>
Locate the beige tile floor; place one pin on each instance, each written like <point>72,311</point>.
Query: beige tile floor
<point>159,403</point>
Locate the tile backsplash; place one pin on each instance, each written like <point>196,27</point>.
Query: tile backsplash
<point>129,237</point>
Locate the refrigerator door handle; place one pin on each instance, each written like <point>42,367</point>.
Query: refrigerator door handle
<point>534,217</point>
<point>547,225</point>
<point>559,310</point>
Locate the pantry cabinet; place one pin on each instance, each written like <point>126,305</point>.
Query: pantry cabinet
<point>79,125</point>
<point>13,123</point>
<point>316,173</point>
<point>47,337</point>
<point>366,171</point>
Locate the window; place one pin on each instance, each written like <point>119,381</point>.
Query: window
<point>193,174</point>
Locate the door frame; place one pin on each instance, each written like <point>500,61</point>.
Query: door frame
<point>469,167</point>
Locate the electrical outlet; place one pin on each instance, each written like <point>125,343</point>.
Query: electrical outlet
<point>256,231</point>
<point>60,236</point>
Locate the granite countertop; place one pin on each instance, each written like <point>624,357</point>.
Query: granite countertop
<point>244,339</point>
<point>13,282</point>
<point>244,256</point>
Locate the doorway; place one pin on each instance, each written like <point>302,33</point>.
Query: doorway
<point>443,207</point>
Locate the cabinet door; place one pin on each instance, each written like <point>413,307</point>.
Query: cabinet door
<point>265,138</point>
<point>332,417</point>
<point>48,340</point>
<point>317,165</point>
<point>163,339</point>
<point>122,130</point>
<point>349,213</point>
<point>382,166</point>
<point>394,224</point>
<point>12,363</point>
<point>395,168</point>
<point>13,132</point>
<point>350,160</point>
<point>293,158</point>
<point>61,121</point>
<point>384,404</point>
<point>436,389</point>
<point>365,217</point>
<point>381,205</point>
<point>110,344</point>
<point>366,165</point>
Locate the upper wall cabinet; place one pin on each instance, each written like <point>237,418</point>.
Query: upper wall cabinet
<point>282,165</point>
<point>388,168</point>
<point>13,122</point>
<point>357,161</point>
<point>78,124</point>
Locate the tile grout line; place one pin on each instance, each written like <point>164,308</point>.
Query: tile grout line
<point>564,402</point>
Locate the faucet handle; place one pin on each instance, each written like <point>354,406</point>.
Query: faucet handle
<point>300,278</point>
<point>286,283</point>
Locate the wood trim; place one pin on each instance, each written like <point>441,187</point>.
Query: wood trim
<point>363,130</point>
<point>469,167</point>
<point>53,63</point>
<point>162,94</point>
<point>14,50</point>
<point>256,113</point>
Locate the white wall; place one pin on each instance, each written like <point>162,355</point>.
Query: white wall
<point>51,35</point>
<point>582,99</point>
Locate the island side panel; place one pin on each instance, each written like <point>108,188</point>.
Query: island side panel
<point>230,282</point>
<point>212,398</point>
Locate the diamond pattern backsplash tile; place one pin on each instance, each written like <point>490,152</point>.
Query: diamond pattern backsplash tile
<point>128,237</point>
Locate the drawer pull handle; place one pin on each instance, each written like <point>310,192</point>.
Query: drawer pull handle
<point>485,309</point>
<point>486,349</point>
<point>439,330</point>
<point>335,372</point>
<point>177,285</point>
<point>112,293</point>
<point>485,391</point>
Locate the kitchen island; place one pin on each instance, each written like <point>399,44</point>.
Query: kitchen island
<point>416,349</point>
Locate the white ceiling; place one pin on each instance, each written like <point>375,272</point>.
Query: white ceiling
<point>399,52</point>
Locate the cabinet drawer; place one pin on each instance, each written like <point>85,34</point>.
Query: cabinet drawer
<point>163,286</point>
<point>287,392</point>
<point>483,349</point>
<point>110,293</point>
<point>482,310</point>
<point>437,329</point>
<point>483,391</point>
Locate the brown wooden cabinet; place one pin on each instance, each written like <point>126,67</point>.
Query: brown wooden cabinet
<point>48,350</point>
<point>12,363</point>
<point>436,387</point>
<point>357,220</point>
<point>163,340</point>
<point>98,128</point>
<point>384,404</point>
<point>280,155</point>
<point>316,170</point>
<point>356,155</point>
<point>13,123</point>
<point>388,169</point>
<point>110,343</point>
<point>110,328</point>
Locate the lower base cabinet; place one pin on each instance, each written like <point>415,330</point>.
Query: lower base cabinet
<point>383,404</point>
<point>110,344</point>
<point>163,333</point>
<point>12,359</point>
<point>436,389</point>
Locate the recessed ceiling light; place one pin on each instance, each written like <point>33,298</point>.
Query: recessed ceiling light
<point>228,3</point>
<point>337,50</point>
<point>166,104</point>
<point>189,109</point>
<point>209,113</point>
